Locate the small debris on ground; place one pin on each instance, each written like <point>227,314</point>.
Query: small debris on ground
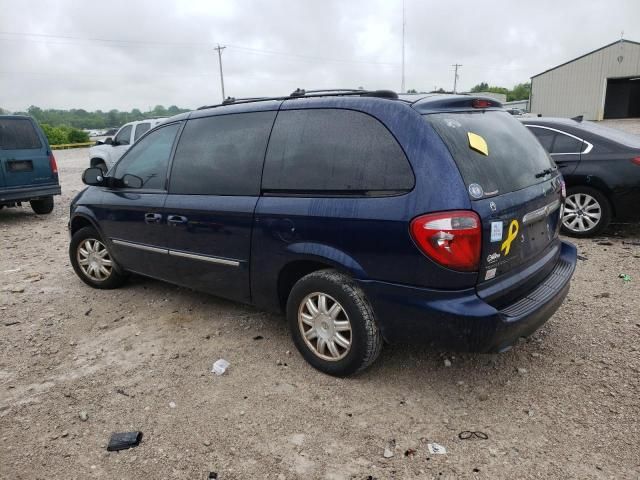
<point>84,416</point>
<point>388,450</point>
<point>625,277</point>
<point>409,452</point>
<point>258,337</point>
<point>436,449</point>
<point>172,404</point>
<point>123,441</point>
<point>447,362</point>
<point>220,366</point>
<point>583,258</point>
<point>522,371</point>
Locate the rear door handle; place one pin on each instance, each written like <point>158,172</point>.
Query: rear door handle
<point>152,217</point>
<point>176,220</point>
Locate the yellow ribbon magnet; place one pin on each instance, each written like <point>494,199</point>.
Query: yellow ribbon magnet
<point>477,143</point>
<point>512,234</point>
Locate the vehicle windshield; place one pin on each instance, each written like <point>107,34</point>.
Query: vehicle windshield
<point>495,153</point>
<point>625,138</point>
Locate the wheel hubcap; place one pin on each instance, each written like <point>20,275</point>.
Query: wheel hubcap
<point>582,212</point>
<point>94,260</point>
<point>325,326</point>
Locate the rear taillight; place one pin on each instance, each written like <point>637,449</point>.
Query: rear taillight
<point>636,160</point>
<point>478,103</point>
<point>452,239</point>
<point>53,164</point>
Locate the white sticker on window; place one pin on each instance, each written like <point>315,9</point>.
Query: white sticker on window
<point>496,231</point>
<point>490,274</point>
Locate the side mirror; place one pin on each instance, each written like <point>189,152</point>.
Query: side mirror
<point>93,176</point>
<point>108,141</point>
<point>131,181</point>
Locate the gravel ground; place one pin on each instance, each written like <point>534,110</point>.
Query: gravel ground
<point>563,404</point>
<point>631,125</point>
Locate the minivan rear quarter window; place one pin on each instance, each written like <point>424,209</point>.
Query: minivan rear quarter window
<point>221,155</point>
<point>334,151</point>
<point>18,134</point>
<point>514,156</point>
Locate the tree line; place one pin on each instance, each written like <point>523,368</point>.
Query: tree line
<point>521,91</point>
<point>79,118</point>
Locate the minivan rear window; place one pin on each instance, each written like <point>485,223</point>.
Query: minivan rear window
<point>513,159</point>
<point>18,134</point>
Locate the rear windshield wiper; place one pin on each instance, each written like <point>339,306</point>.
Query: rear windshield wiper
<point>546,172</point>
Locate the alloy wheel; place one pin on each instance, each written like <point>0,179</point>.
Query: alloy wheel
<point>582,213</point>
<point>325,326</point>
<point>94,260</point>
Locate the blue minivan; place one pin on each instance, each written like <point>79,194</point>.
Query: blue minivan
<point>367,217</point>
<point>28,170</point>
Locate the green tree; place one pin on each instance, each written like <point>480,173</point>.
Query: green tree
<point>481,87</point>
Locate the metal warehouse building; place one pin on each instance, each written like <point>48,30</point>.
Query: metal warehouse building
<point>601,84</point>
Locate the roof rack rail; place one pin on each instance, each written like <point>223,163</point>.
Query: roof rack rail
<point>302,93</point>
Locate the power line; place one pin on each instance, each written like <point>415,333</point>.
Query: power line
<point>203,45</point>
<point>455,76</point>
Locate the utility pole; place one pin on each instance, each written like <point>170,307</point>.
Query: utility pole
<point>402,86</point>
<point>219,49</point>
<point>455,77</point>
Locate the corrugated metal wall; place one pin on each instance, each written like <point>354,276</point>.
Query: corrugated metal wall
<point>578,88</point>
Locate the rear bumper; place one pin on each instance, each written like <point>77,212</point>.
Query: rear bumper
<point>460,320</point>
<point>25,194</point>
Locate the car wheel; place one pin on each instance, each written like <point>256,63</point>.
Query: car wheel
<point>92,260</point>
<point>587,212</point>
<point>332,323</point>
<point>42,206</point>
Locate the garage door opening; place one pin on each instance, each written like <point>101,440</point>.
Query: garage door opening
<point>623,98</point>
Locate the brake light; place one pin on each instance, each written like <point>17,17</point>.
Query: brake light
<point>479,103</point>
<point>452,239</point>
<point>636,160</point>
<point>53,164</point>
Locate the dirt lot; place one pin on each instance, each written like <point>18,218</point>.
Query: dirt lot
<point>564,404</point>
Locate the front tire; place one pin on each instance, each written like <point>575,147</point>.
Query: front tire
<point>332,323</point>
<point>587,212</point>
<point>92,261</point>
<point>42,206</point>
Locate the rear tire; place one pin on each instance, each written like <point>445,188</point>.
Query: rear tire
<point>337,335</point>
<point>587,212</point>
<point>92,261</point>
<point>42,206</point>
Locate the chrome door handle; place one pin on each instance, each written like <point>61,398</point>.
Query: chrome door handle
<point>176,220</point>
<point>152,217</point>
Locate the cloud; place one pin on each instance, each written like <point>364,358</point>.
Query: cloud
<point>126,54</point>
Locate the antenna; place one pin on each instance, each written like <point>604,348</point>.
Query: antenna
<point>402,89</point>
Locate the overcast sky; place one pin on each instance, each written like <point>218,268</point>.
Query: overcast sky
<point>140,53</point>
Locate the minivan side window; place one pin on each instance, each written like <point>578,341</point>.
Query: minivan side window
<point>124,136</point>
<point>149,158</point>
<point>334,151</point>
<point>221,155</point>
<point>141,129</point>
